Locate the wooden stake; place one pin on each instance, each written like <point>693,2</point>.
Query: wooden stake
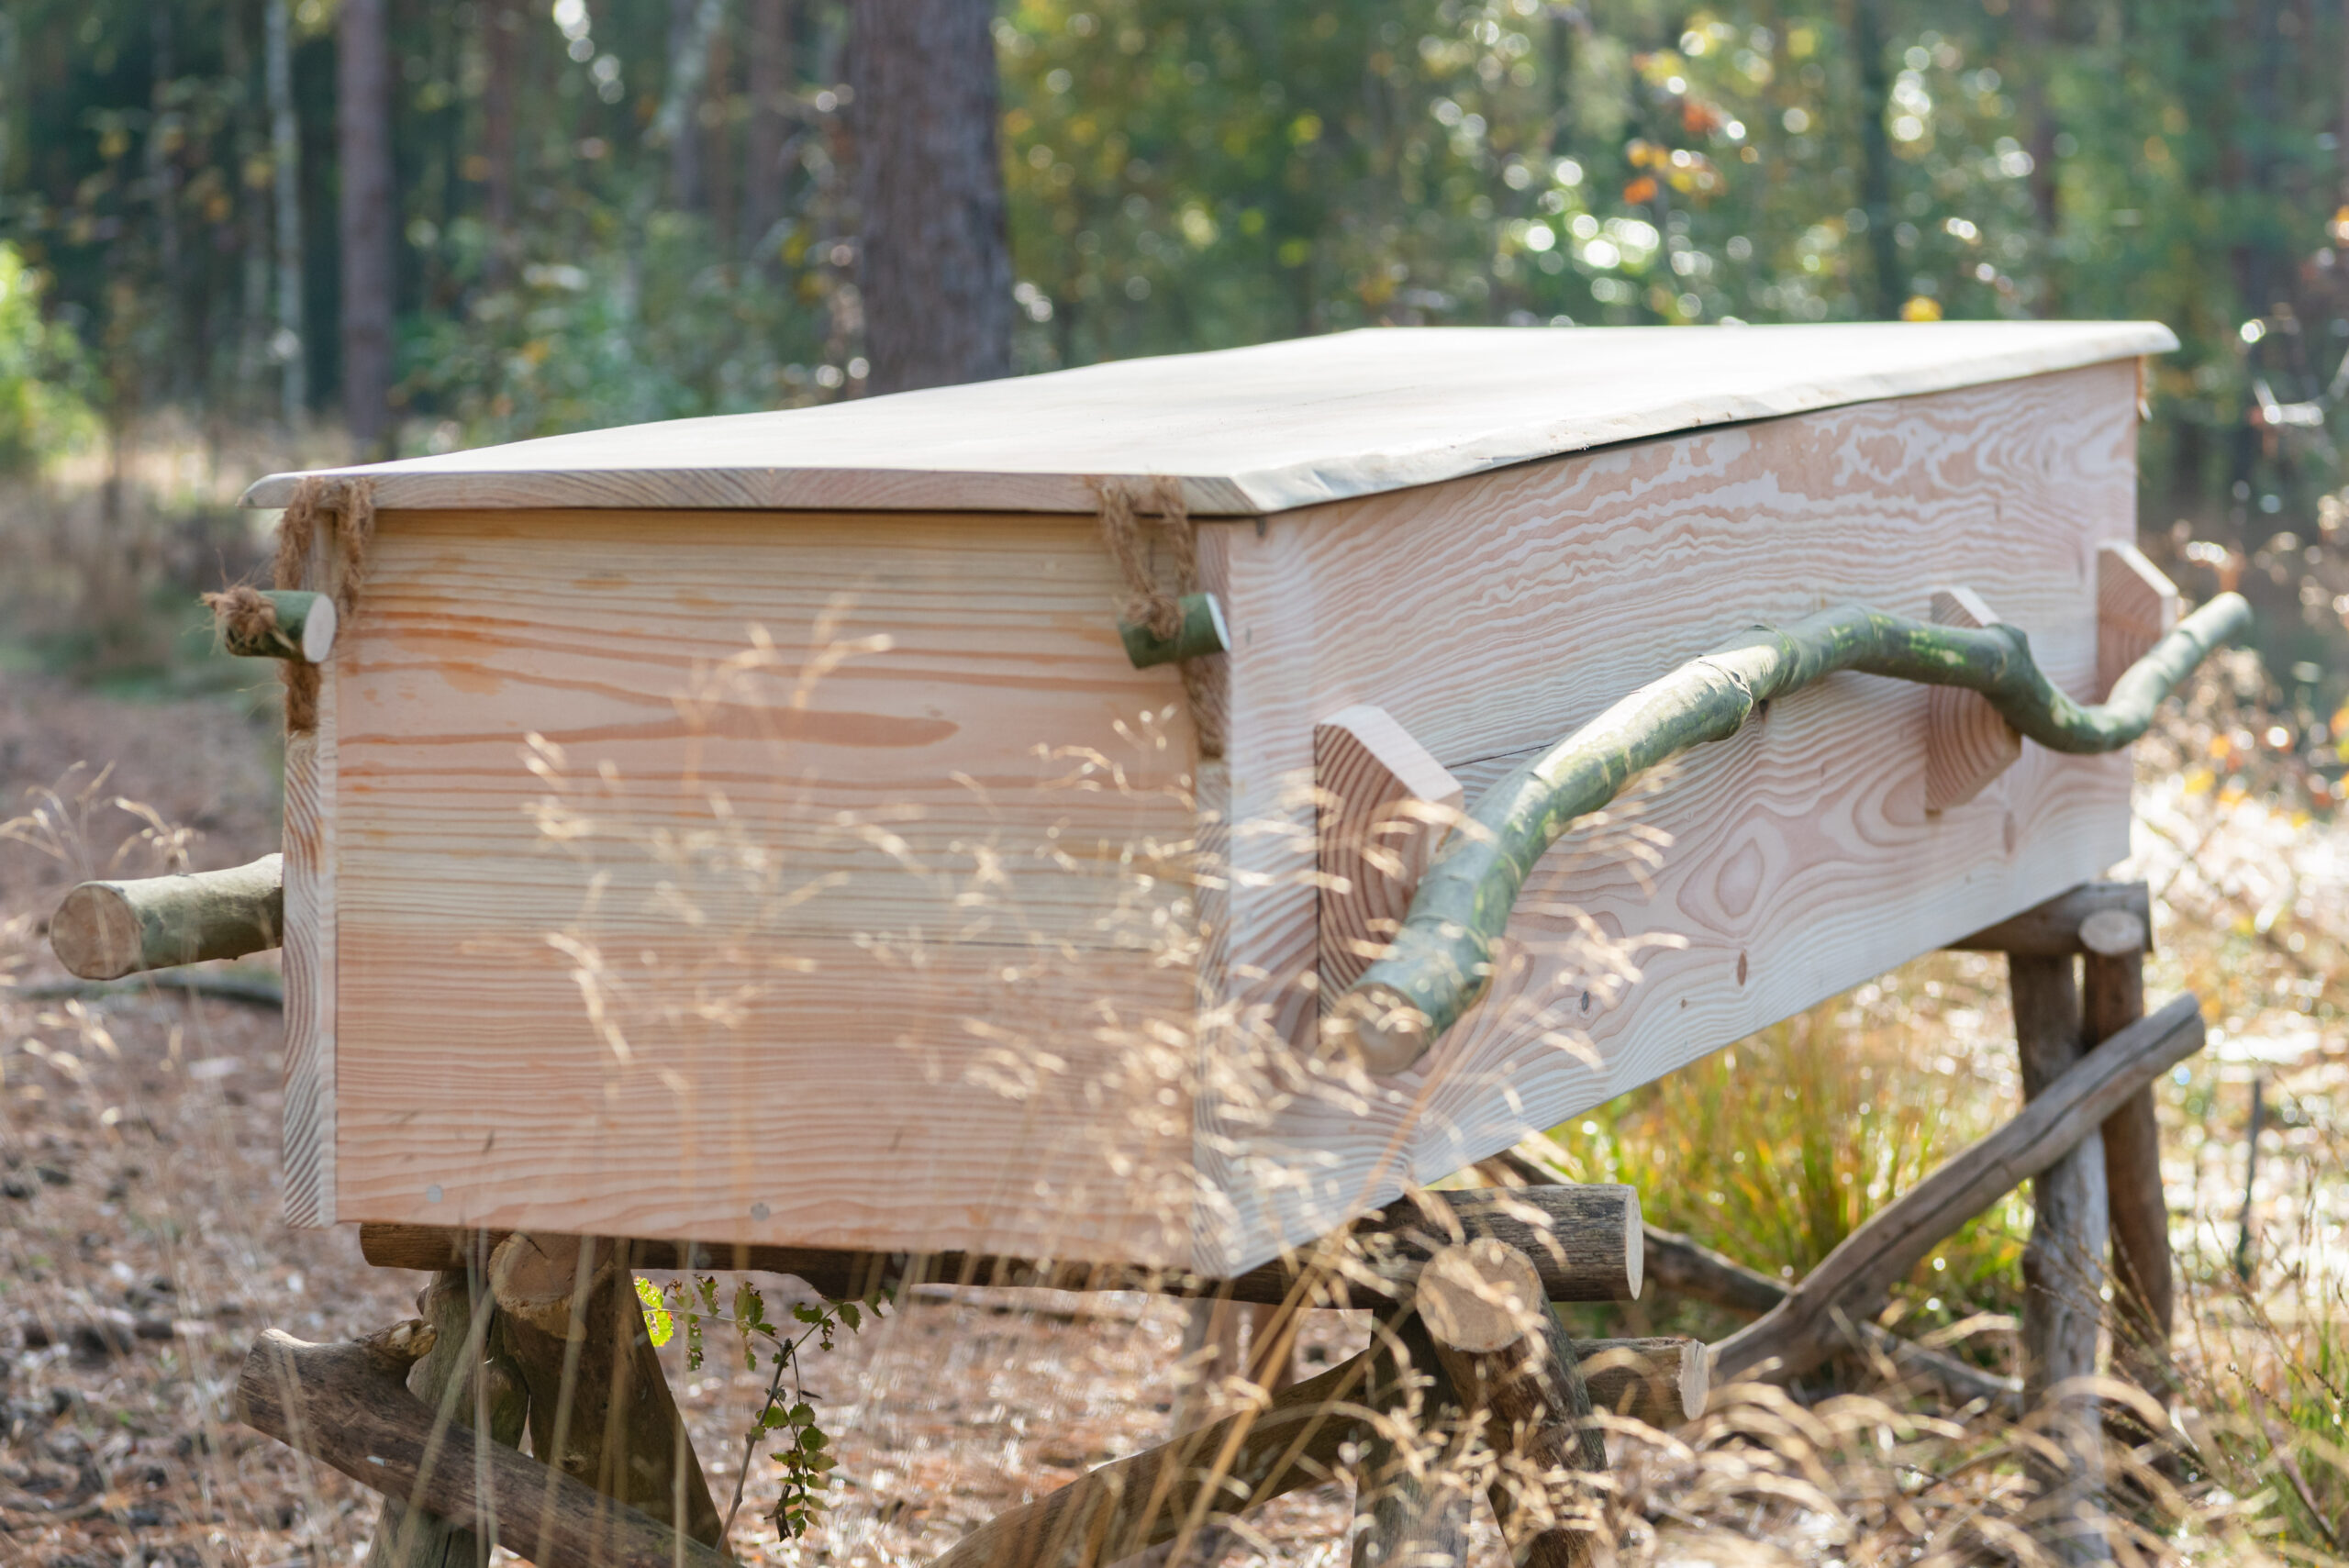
<point>2063,1271</point>
<point>600,1407</point>
<point>105,930</point>
<point>1441,961</point>
<point>1413,1489</point>
<point>349,1407</point>
<point>1509,1358</point>
<point>470,1390</point>
<point>290,623</point>
<point>1852,1282</point>
<point>2112,997</point>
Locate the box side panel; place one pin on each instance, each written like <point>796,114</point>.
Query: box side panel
<point>1495,615</point>
<point>815,880</point>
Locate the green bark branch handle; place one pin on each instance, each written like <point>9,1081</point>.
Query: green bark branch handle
<point>1441,961</point>
<point>103,931</point>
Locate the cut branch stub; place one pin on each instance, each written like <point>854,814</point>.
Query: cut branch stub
<point>1384,803</point>
<point>1201,633</point>
<point>103,931</point>
<point>1441,961</point>
<point>2093,918</point>
<point>1969,743</point>
<point>275,623</point>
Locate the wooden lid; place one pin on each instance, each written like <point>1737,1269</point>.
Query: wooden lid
<point>1248,430</point>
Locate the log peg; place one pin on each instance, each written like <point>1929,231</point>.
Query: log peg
<point>1967,742</point>
<point>2136,606</point>
<point>105,930</point>
<point>275,623</point>
<point>2113,933</point>
<point>1385,806</point>
<point>1203,632</point>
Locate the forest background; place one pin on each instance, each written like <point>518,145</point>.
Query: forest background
<point>600,213</point>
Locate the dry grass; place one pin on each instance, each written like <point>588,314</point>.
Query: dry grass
<point>138,1137</point>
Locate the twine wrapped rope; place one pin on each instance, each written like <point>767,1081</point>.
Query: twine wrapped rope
<point>243,613</point>
<point>1148,601</point>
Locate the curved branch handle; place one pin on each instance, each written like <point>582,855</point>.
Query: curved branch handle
<point>1441,961</point>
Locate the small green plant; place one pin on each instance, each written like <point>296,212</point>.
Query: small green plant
<point>788,1413</point>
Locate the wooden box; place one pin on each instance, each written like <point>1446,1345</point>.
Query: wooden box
<point>755,829</point>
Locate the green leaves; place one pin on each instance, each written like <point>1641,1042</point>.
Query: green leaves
<point>658,1322</point>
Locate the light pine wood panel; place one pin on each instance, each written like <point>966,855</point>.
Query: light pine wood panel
<point>939,819</point>
<point>913,1099</point>
<point>306,1129</point>
<point>1258,429</point>
<point>1514,606</point>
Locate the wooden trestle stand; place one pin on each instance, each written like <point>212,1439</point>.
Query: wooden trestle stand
<point>1469,1383</point>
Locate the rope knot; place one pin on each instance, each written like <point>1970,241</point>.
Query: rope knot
<point>342,513</point>
<point>243,614</point>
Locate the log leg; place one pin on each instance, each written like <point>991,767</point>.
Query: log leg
<point>2113,997</point>
<point>600,1408</point>
<point>1509,1358</point>
<point>1412,1481</point>
<point>466,1382</point>
<point>2062,1268</point>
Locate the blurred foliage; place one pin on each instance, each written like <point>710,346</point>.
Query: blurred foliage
<point>43,373</point>
<point>1194,173</point>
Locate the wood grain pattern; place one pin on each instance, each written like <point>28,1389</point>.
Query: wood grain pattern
<point>1967,742</point>
<point>1384,808</point>
<point>2136,603</point>
<point>312,947</point>
<point>1760,875</point>
<point>839,839</point>
<point>1254,429</point>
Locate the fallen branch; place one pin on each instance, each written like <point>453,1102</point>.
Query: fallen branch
<point>258,990</point>
<point>1852,1283</point>
<point>349,1407</point>
<point>1441,961</point>
<point>105,930</point>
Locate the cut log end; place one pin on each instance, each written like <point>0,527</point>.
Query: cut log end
<point>95,933</point>
<point>1481,1296</point>
<point>1661,1381</point>
<point>2108,933</point>
<point>1382,1027</point>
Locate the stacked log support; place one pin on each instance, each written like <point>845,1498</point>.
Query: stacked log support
<point>2062,1270</point>
<point>1413,1486</point>
<point>349,1407</point>
<point>472,1388</point>
<point>600,1407</point>
<point>2112,997</point>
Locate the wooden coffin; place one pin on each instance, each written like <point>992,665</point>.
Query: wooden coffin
<point>753,828</point>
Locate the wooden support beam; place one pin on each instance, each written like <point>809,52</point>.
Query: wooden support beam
<point>105,930</point>
<point>1413,1485</point>
<point>471,1387</point>
<point>1509,1359</point>
<point>1384,805</point>
<point>1967,742</point>
<point>1852,1282</point>
<point>2063,1273</point>
<point>348,1406</point>
<point>2108,917</point>
<point>2137,606</point>
<point>600,1407</point>
<point>1585,1240</point>
<point>2112,996</point>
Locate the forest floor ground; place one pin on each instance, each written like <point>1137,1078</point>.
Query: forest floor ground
<point>142,1250</point>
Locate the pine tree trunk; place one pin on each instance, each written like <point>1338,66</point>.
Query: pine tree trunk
<point>363,134</point>
<point>286,168</point>
<point>936,267</point>
<point>770,82</point>
<point>501,23</point>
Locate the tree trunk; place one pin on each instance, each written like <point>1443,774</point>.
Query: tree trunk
<point>1876,157</point>
<point>770,85</point>
<point>693,25</point>
<point>363,128</point>
<point>501,23</point>
<point>2039,132</point>
<point>936,262</point>
<point>287,344</point>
